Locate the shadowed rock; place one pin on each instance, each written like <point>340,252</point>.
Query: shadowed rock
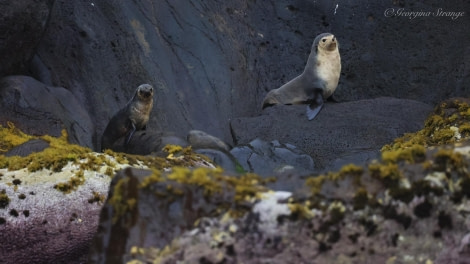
<point>38,109</point>
<point>341,134</point>
<point>34,145</point>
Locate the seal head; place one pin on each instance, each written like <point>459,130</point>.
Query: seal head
<point>317,82</point>
<point>133,117</point>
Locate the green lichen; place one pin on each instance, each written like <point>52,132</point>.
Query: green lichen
<point>389,174</point>
<point>4,199</point>
<point>72,184</point>
<point>55,157</point>
<point>448,160</point>
<point>315,183</point>
<point>153,178</point>
<point>412,154</point>
<point>440,127</point>
<point>119,200</point>
<point>97,198</point>
<point>11,137</point>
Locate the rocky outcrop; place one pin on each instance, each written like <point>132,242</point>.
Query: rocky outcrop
<point>22,25</point>
<point>38,109</point>
<point>342,133</point>
<point>50,198</point>
<point>214,61</point>
<point>402,209</point>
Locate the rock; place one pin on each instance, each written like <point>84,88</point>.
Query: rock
<point>31,146</point>
<point>341,133</point>
<point>39,109</point>
<point>41,223</point>
<point>22,26</point>
<point>272,158</point>
<point>164,205</point>
<point>148,142</point>
<point>223,159</point>
<point>201,140</point>
<point>386,212</point>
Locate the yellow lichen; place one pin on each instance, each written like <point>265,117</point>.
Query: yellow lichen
<point>410,154</point>
<point>119,201</point>
<point>72,184</point>
<point>315,183</point>
<point>97,198</point>
<point>439,128</point>
<point>387,173</point>
<point>11,136</point>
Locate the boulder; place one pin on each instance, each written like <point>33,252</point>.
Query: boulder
<point>341,133</point>
<point>44,218</point>
<point>38,109</point>
<point>272,158</point>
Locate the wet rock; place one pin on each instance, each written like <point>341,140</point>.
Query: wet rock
<point>342,133</point>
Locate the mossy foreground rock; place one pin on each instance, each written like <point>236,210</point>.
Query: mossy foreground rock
<point>411,206</point>
<point>49,200</point>
<point>51,196</point>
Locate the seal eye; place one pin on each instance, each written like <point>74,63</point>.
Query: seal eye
<point>323,40</point>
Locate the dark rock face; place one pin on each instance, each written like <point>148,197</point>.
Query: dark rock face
<point>214,61</point>
<point>272,158</point>
<point>39,109</point>
<point>22,25</point>
<point>342,133</point>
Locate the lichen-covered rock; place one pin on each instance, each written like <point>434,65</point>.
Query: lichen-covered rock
<point>409,206</point>
<point>403,212</point>
<point>151,208</point>
<point>51,198</point>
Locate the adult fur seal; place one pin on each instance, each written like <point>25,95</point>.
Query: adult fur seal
<point>134,116</point>
<point>318,80</point>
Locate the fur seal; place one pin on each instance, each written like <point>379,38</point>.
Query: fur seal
<point>318,80</point>
<point>134,116</point>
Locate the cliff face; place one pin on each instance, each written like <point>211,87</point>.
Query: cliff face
<point>214,61</point>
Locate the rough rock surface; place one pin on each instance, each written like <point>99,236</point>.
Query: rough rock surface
<point>38,109</point>
<point>273,158</point>
<point>214,61</point>
<point>342,133</point>
<point>22,25</point>
<point>41,224</point>
<point>387,212</point>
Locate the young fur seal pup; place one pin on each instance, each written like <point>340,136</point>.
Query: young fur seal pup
<point>134,116</point>
<point>318,80</point>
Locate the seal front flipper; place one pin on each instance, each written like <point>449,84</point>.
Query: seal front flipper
<point>129,135</point>
<point>315,105</point>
